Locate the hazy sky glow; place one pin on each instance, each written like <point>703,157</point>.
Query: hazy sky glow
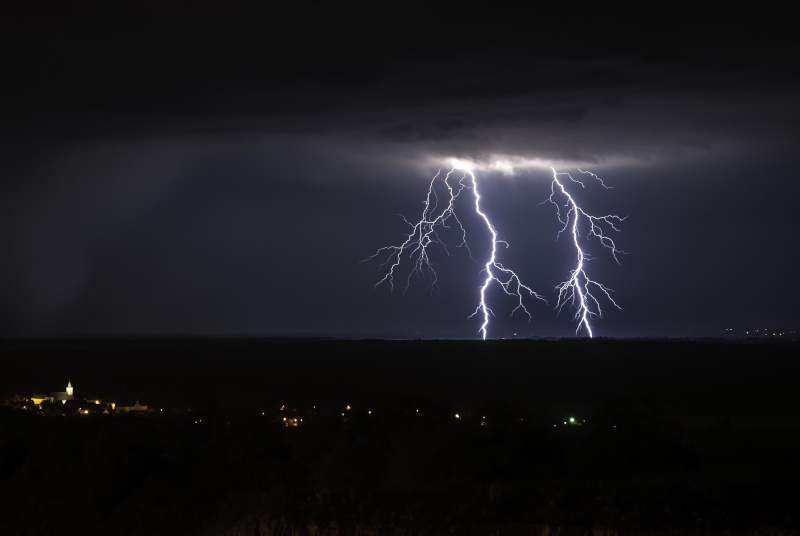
<point>222,170</point>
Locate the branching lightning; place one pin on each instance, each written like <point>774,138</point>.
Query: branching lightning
<point>423,235</point>
<point>496,272</point>
<point>438,216</point>
<point>577,289</point>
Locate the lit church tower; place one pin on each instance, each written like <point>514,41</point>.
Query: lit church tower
<point>63,396</point>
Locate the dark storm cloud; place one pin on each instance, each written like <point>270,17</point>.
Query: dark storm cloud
<point>291,60</point>
<point>592,85</point>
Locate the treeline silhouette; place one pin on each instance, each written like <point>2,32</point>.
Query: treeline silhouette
<point>405,465</point>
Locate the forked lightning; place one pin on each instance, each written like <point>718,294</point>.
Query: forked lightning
<point>437,217</point>
<point>577,290</point>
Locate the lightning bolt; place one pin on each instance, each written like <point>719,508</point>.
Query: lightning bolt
<point>438,216</point>
<point>507,279</point>
<point>577,289</point>
<point>423,235</point>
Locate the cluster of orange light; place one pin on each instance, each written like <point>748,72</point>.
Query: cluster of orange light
<point>292,421</point>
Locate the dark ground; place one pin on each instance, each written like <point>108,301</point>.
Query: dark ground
<point>680,437</point>
<point>684,377</point>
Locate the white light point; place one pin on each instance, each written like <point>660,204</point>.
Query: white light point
<point>578,288</point>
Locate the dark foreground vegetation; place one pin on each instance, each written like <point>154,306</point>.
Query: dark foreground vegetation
<point>412,464</point>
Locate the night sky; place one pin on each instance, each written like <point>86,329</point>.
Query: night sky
<point>223,169</point>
